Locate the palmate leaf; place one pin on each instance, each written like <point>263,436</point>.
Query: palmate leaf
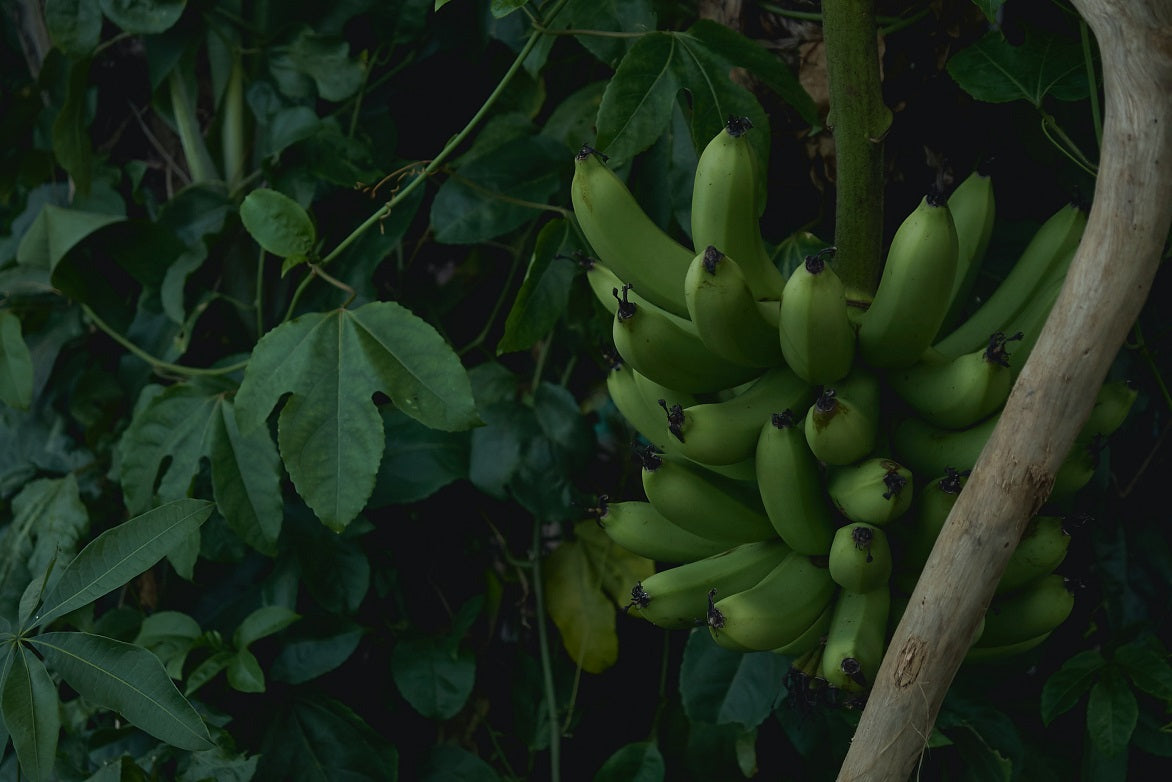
<point>995,71</point>
<point>722,687</point>
<point>329,432</point>
<point>127,679</point>
<point>28,701</point>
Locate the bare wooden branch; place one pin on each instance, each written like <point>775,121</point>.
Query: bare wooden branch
<point>1108,282</point>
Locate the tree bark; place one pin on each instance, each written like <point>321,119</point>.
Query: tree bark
<point>1103,294</point>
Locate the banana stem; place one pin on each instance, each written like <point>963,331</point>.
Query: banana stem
<point>859,120</point>
<point>1105,289</point>
<point>199,160</point>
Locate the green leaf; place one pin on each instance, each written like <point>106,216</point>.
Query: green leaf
<point>981,762</point>
<point>330,435</point>
<point>70,131</point>
<point>121,553</point>
<point>1152,736</point>
<point>479,202</point>
<point>309,652</point>
<point>636,105</point>
<point>218,764</point>
<point>762,63</point>
<point>171,635</point>
<point>989,8</point>
<point>502,8</point>
<point>261,623</point>
<point>620,16</point>
<point>1112,713</point>
<point>246,481</point>
<point>722,687</point>
<point>1147,665</point>
<point>16,364</point>
<point>334,568</point>
<point>451,763</point>
<point>637,762</point>
<point>74,25</point>
<point>30,710</point>
<point>578,577</point>
<point>315,63</point>
<point>57,230</point>
<point>143,16</point>
<point>544,291</point>
<point>207,670</point>
<point>318,739</point>
<point>417,461</point>
<point>278,223</point>
<point>433,677</point>
<point>244,672</point>
<point>995,71</point>
<point>127,679</point>
<point>1066,686</point>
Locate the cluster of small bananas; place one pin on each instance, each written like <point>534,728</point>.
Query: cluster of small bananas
<point>805,453</point>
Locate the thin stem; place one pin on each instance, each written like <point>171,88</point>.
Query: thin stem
<point>368,67</point>
<point>592,33</point>
<point>542,356</point>
<point>157,363</point>
<point>258,302</point>
<point>546,663</point>
<point>1092,80</point>
<point>496,308</point>
<point>1065,144</point>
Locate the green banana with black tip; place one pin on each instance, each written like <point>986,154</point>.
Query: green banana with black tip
<point>860,557</point>
<point>856,639</point>
<point>726,315</point>
<point>974,212</point>
<point>639,528</point>
<point>815,332</point>
<point>843,423</point>
<point>1042,548</point>
<point>789,481</point>
<point>874,491</point>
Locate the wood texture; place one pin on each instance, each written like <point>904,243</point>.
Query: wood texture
<point>1107,285</point>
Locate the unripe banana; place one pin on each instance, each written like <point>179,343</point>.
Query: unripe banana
<point>914,289</point>
<point>725,207</point>
<point>1112,404</point>
<point>1053,244</point>
<point>812,638</point>
<point>775,612</point>
<point>1035,610</point>
<point>703,502</point>
<point>605,284</point>
<point>860,557</point>
<point>843,423</point>
<point>725,312</point>
<point>930,508</point>
<point>974,213</point>
<point>1076,470</point>
<point>646,419</point>
<point>816,335</point>
<point>1042,548</point>
<point>624,237</point>
<point>790,483</point>
<point>959,392</point>
<point>856,639</point>
<point>727,432</point>
<point>875,491</point>
<point>989,654</point>
<point>641,529</point>
<point>677,598</point>
<point>657,347</point>
<point>932,450</point>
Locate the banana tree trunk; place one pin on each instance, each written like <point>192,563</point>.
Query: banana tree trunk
<point>1104,291</point>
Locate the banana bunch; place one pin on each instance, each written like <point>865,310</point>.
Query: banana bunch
<point>802,451</point>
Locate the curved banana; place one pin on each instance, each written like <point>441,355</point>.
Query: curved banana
<point>1112,405</point>
<point>641,529</point>
<point>914,289</point>
<point>646,419</point>
<point>605,285</point>
<point>775,612</point>
<point>816,335</point>
<point>875,491</point>
<point>668,354</point>
<point>726,432</point>
<point>1076,470</point>
<point>812,638</point>
<point>1034,610</point>
<point>1054,243</point>
<point>1042,548</point>
<point>989,654</point>
<point>958,392</point>
<point>725,207</point>
<point>789,481</point>
<point>860,557</point>
<point>856,639</point>
<point>677,598</point>
<point>974,212</point>
<point>624,237</point>
<point>931,450</point>
<point>703,502</point>
<point>726,314</point>
<point>843,423</point>
<point>930,508</point>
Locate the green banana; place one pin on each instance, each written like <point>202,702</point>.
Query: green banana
<point>678,597</point>
<point>641,529</point>
<point>790,483</point>
<point>930,508</point>
<point>663,351</point>
<point>1032,317</point>
<point>725,313</point>
<point>812,638</point>
<point>724,207</point>
<point>959,392</point>
<point>931,450</point>
<point>974,213</point>
<point>1112,405</point>
<point>843,423</point>
<point>1034,610</point>
<point>1076,470</point>
<point>646,419</point>
<point>605,285</point>
<point>726,432</point>
<point>624,237</point>
<point>860,557</point>
<point>913,294</point>
<point>1042,548</point>
<point>775,612</point>
<point>989,654</point>
<point>816,335</point>
<point>703,502</point>
<point>875,491</point>
<point>1052,245</point>
<point>856,639</point>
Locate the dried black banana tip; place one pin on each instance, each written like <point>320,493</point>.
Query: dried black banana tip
<point>627,307</point>
<point>997,351</point>
<point>715,618</point>
<point>951,483</point>
<point>935,196</point>
<point>738,126</point>
<point>675,418</point>
<point>712,258</point>
<point>648,457</point>
<point>639,597</point>
<point>862,537</point>
<point>854,671</point>
<point>784,420</point>
<point>894,483</point>
<point>827,401</point>
<point>599,509</point>
<point>816,263</point>
<point>580,258</point>
<point>586,151</point>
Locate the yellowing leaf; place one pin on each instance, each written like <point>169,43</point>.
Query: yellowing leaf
<point>578,577</point>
